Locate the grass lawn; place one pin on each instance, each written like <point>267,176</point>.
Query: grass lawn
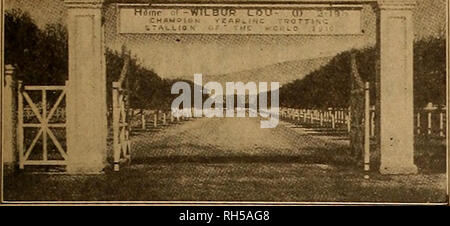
<point>228,182</point>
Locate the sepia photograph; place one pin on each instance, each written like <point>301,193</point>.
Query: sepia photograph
<point>224,102</point>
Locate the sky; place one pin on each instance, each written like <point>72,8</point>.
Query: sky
<point>180,56</point>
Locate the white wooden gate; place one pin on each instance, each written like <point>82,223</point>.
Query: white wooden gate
<point>37,122</point>
<point>121,126</point>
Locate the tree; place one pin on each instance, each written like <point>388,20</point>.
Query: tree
<point>329,86</point>
<point>430,71</point>
<point>39,56</point>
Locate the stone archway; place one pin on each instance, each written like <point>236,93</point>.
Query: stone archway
<point>86,139</point>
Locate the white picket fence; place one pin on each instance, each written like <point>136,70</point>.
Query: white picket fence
<point>332,117</point>
<point>429,121</point>
<point>152,119</point>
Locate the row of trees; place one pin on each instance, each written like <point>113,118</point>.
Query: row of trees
<point>330,85</point>
<point>146,89</point>
<point>40,57</point>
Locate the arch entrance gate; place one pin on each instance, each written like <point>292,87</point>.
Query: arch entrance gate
<point>86,139</point>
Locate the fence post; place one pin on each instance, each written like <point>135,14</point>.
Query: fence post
<point>314,116</point>
<point>20,124</point>
<point>337,117</point>
<point>333,120</point>
<point>155,120</point>
<point>300,115</point>
<point>144,122</point>
<point>418,123</point>
<point>310,113</point>
<point>441,124</point>
<point>372,122</point>
<point>367,131</point>
<point>349,120</point>
<point>429,123</point>
<point>329,113</point>
<point>344,114</point>
<point>303,113</point>
<point>123,127</point>
<point>164,119</point>
<point>318,115</point>
<point>321,118</point>
<point>340,116</point>
<point>9,118</point>
<point>44,134</point>
<point>116,124</point>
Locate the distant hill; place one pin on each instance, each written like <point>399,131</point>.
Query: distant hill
<point>283,72</point>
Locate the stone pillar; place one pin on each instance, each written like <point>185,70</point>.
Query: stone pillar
<point>9,118</point>
<point>86,97</point>
<point>396,106</point>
